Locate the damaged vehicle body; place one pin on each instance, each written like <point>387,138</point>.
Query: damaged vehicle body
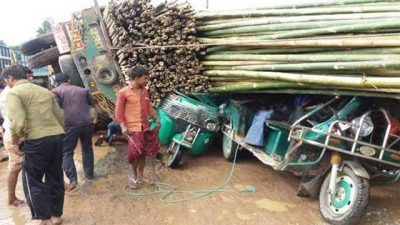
<point>337,145</point>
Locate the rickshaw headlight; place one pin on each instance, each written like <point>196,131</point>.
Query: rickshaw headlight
<point>189,138</point>
<point>190,135</point>
<point>366,128</point>
<point>211,125</point>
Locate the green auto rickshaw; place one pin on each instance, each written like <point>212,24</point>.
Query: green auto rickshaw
<point>187,125</point>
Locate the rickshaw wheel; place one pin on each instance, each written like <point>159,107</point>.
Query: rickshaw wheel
<point>176,155</point>
<point>350,201</point>
<point>228,147</point>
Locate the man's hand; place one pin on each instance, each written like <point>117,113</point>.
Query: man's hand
<point>124,129</point>
<point>15,142</point>
<point>16,151</point>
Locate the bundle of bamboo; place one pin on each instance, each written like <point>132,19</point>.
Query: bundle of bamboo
<point>141,33</point>
<point>347,45</point>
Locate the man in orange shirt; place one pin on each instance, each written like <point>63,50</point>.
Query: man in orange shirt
<point>132,111</point>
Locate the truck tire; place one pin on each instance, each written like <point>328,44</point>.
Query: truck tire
<point>38,44</point>
<point>68,67</point>
<point>106,75</point>
<point>349,205</point>
<point>44,58</point>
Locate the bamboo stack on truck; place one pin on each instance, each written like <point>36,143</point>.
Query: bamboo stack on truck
<point>348,46</point>
<point>142,32</point>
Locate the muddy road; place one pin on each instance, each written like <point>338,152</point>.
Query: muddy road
<point>104,201</point>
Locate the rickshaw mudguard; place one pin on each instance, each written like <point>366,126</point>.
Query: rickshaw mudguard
<point>239,116</point>
<point>167,127</point>
<point>310,187</point>
<point>199,147</point>
<point>201,143</point>
<point>357,168</point>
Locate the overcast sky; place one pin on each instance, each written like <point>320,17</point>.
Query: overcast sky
<point>19,19</point>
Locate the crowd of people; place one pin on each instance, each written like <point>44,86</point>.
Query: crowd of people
<point>42,129</point>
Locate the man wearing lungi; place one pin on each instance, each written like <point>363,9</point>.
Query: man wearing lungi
<point>132,111</point>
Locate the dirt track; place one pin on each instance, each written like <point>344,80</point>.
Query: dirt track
<point>103,201</point>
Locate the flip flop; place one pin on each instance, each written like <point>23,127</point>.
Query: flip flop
<point>133,183</point>
<point>17,203</point>
<point>144,180</point>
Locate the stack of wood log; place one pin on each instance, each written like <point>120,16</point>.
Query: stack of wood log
<point>163,38</point>
<point>346,46</point>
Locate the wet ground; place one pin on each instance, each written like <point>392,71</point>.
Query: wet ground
<point>104,200</point>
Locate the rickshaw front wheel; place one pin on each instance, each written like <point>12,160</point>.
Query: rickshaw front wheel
<point>176,155</point>
<point>348,203</point>
<point>228,147</point>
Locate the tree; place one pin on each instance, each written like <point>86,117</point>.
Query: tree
<point>46,27</point>
<point>15,48</point>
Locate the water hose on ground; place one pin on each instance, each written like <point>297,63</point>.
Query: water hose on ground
<point>171,190</point>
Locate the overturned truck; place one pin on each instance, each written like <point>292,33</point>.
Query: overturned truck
<point>311,89</point>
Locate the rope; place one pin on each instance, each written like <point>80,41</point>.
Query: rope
<point>365,80</point>
<point>171,190</point>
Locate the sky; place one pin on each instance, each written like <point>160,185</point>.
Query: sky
<point>19,19</point>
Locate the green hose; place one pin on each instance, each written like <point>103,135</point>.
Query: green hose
<point>165,194</point>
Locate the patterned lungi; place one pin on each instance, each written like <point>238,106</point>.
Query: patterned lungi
<point>143,143</point>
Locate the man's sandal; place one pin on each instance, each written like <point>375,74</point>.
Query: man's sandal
<point>133,183</point>
<point>144,180</point>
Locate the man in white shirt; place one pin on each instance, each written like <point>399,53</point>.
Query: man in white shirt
<point>14,154</point>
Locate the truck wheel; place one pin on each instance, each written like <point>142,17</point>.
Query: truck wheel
<point>106,75</point>
<point>350,201</point>
<point>44,58</point>
<point>176,155</point>
<point>38,44</point>
<point>68,67</point>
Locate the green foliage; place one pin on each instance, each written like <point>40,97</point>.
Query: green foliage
<point>46,27</point>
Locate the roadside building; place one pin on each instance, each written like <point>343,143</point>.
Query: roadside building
<point>5,56</point>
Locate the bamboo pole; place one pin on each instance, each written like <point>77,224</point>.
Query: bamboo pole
<point>328,80</point>
<point>362,51</point>
<point>326,3</point>
<point>356,27</point>
<point>232,23</point>
<point>305,58</point>
<point>340,42</point>
<point>234,63</point>
<point>220,79</point>
<point>320,66</point>
<point>227,50</point>
<point>306,11</point>
<point>244,86</point>
<point>285,26</point>
<point>240,86</point>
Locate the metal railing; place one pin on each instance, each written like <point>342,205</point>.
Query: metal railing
<point>298,133</point>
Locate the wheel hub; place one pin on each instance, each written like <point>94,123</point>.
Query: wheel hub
<point>344,196</point>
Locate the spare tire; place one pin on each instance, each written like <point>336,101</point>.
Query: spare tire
<point>38,44</point>
<point>68,67</point>
<point>106,75</point>
<point>44,58</point>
